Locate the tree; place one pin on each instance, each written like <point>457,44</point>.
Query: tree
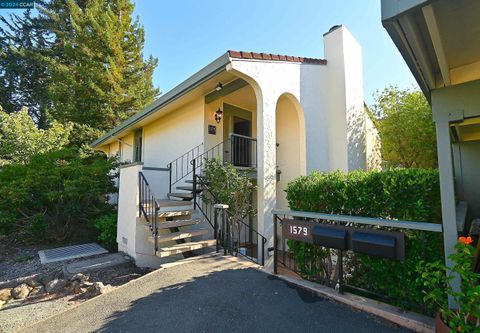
<point>405,124</point>
<point>24,77</point>
<point>78,61</point>
<point>20,139</point>
<point>99,76</point>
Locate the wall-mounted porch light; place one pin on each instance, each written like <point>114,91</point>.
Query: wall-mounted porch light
<point>218,115</point>
<point>219,86</point>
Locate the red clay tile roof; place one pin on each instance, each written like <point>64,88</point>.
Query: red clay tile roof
<point>277,57</point>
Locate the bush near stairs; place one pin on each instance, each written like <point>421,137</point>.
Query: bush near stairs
<point>55,194</point>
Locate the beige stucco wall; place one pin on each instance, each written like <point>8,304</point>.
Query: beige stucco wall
<point>331,97</point>
<point>373,146</point>
<point>169,137</point>
<point>291,150</point>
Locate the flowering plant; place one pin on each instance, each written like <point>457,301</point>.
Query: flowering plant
<point>437,280</point>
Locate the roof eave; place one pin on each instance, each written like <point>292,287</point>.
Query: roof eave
<point>215,67</point>
<point>392,11</point>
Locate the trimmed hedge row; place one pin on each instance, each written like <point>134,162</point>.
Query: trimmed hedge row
<point>399,194</point>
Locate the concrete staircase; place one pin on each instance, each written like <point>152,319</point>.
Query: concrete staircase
<point>178,232</point>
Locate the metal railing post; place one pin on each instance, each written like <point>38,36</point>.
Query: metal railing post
<point>194,192</point>
<point>155,228</point>
<point>275,254</point>
<point>340,271</point>
<point>170,177</point>
<point>224,241</point>
<point>215,228</point>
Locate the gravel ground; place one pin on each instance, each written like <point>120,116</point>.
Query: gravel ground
<point>18,263</point>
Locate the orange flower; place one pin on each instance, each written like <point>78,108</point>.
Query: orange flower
<point>465,240</point>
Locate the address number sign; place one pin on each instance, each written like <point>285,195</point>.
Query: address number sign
<point>297,230</point>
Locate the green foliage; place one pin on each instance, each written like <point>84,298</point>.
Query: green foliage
<point>437,280</point>
<point>405,124</point>
<point>20,139</point>
<point>229,186</point>
<point>24,77</point>
<point>107,227</point>
<point>403,194</point>
<point>76,61</point>
<point>99,75</point>
<point>54,194</point>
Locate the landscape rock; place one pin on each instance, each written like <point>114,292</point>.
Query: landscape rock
<point>2,303</point>
<point>99,288</point>
<point>80,278</point>
<point>78,289</point>
<point>21,291</point>
<point>34,283</point>
<point>55,286</point>
<point>86,284</point>
<point>37,291</point>
<point>5,294</point>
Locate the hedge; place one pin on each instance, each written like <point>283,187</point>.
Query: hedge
<point>399,194</point>
<point>54,195</point>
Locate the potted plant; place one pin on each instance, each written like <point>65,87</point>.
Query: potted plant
<point>437,280</point>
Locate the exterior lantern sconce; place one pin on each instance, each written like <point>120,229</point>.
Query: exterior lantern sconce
<point>219,86</point>
<point>218,115</point>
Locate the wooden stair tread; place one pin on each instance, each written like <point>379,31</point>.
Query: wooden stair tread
<point>181,195</point>
<point>185,247</point>
<point>177,223</point>
<point>175,213</point>
<point>171,203</point>
<point>189,188</point>
<point>180,235</point>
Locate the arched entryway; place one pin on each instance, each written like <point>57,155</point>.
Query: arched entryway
<point>291,146</point>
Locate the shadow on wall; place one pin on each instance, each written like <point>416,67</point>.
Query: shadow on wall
<point>356,139</point>
<point>239,300</point>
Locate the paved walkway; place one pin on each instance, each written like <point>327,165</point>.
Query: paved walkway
<point>211,294</point>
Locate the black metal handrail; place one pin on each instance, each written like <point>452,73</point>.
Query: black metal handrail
<point>181,167</point>
<point>148,206</point>
<point>229,233</point>
<point>239,150</point>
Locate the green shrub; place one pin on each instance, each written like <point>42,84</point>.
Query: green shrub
<point>402,194</point>
<point>54,193</point>
<point>107,227</point>
<point>230,186</point>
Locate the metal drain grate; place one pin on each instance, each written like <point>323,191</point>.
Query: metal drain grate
<point>70,252</point>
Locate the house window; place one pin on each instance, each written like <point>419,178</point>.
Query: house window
<point>137,146</point>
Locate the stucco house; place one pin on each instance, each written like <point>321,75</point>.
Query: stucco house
<point>276,116</point>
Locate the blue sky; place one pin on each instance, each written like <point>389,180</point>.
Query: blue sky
<point>187,35</point>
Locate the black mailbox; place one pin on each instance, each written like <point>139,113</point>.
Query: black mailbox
<point>375,244</point>
<point>330,236</point>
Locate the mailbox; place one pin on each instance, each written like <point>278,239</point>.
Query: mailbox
<point>375,244</point>
<point>330,236</point>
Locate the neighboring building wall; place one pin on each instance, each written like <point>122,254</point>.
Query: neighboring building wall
<point>454,104</point>
<point>373,146</point>
<point>346,114</point>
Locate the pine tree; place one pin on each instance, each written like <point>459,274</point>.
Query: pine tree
<point>99,76</point>
<point>24,76</point>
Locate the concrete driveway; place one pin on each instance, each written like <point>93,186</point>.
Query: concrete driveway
<point>211,294</point>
